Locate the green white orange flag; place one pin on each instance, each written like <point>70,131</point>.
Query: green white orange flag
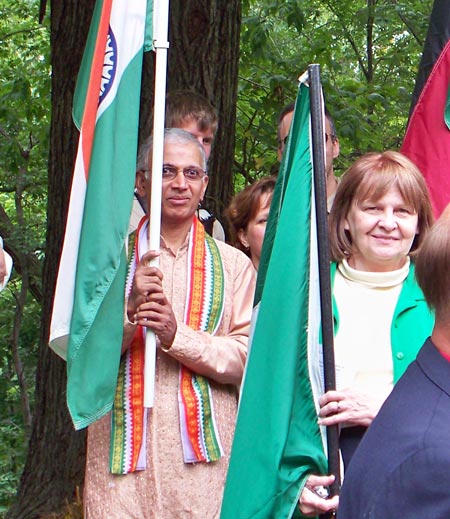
<point>88,310</point>
<point>277,441</point>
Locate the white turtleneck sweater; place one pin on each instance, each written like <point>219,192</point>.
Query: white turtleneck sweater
<point>366,302</point>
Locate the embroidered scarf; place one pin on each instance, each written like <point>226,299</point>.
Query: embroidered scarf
<point>203,312</point>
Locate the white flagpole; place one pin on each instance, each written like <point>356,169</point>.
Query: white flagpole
<point>161,45</point>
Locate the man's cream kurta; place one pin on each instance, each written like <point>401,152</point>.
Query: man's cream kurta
<point>169,488</point>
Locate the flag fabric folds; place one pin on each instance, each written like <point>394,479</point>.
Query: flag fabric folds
<point>88,310</point>
<point>427,138</point>
<point>277,441</point>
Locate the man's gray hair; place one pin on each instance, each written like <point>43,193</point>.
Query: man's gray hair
<point>171,136</point>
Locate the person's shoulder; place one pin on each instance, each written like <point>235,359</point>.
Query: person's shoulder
<point>410,284</point>
<point>230,250</point>
<point>414,486</point>
<point>212,225</point>
<point>398,452</point>
<point>137,213</point>
<point>417,486</point>
<point>231,253</point>
<point>412,297</point>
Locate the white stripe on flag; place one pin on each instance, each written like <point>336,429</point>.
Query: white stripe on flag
<point>65,285</point>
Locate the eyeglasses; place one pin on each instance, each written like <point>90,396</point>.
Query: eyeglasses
<point>191,174</point>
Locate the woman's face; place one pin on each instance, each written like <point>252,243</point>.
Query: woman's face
<point>253,236</point>
<point>382,232</point>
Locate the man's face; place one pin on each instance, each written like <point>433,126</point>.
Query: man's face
<point>331,148</point>
<point>181,197</point>
<point>204,137</point>
<point>331,144</point>
<point>283,132</point>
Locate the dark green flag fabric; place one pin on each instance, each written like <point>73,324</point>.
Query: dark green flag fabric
<point>277,441</point>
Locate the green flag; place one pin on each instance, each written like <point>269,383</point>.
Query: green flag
<point>88,310</point>
<point>277,440</point>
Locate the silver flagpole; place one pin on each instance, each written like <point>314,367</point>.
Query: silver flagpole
<point>161,45</point>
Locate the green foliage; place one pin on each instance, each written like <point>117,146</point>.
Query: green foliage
<point>24,127</point>
<point>11,460</point>
<point>13,429</point>
<point>24,109</point>
<point>368,50</point>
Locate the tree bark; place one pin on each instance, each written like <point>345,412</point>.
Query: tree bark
<point>203,56</point>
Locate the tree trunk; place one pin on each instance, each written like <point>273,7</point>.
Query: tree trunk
<point>204,38</point>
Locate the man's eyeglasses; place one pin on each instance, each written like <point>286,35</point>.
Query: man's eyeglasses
<point>191,173</point>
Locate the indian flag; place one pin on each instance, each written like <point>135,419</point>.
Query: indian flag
<point>277,441</point>
<point>88,310</point>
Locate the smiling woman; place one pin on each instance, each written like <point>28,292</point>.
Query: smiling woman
<point>380,215</point>
<point>376,184</point>
<point>379,219</point>
<point>383,232</point>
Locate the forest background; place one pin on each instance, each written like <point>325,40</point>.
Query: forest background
<point>369,51</point>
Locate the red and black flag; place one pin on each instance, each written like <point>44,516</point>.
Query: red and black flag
<point>427,138</point>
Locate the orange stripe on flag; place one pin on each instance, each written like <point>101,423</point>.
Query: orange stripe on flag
<point>93,92</point>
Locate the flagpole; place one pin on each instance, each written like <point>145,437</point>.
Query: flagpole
<point>320,191</point>
<point>161,45</point>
